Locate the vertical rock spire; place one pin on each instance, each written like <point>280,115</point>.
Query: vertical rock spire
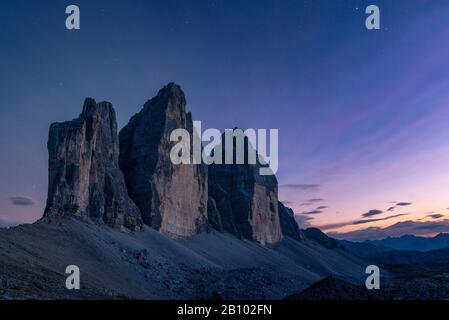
<point>246,201</point>
<point>84,176</point>
<point>172,198</point>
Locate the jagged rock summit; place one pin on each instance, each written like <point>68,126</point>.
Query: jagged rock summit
<point>84,176</point>
<point>172,198</point>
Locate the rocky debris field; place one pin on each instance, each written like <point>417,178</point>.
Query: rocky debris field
<point>147,265</point>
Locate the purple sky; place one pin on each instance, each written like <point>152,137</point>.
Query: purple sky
<point>362,115</point>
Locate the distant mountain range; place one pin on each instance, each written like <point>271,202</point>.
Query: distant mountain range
<point>6,223</point>
<point>414,243</point>
<point>405,250</point>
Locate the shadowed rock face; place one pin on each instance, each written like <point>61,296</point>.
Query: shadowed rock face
<point>246,201</point>
<point>289,226</point>
<point>172,198</point>
<point>84,176</point>
<point>320,237</point>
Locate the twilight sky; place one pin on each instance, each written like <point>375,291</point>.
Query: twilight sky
<point>363,116</point>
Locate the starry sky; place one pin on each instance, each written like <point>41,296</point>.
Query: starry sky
<point>363,115</point>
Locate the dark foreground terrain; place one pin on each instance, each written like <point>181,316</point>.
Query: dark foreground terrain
<point>211,265</point>
<point>413,275</point>
<point>422,288</point>
<point>148,265</point>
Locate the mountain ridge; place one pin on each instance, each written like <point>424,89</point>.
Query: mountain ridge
<point>412,242</point>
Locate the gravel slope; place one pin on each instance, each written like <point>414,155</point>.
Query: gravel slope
<point>147,265</point>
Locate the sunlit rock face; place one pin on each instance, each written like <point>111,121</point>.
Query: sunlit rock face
<point>84,176</point>
<point>172,198</point>
<point>246,201</point>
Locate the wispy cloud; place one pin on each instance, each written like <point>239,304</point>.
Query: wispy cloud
<point>21,201</point>
<point>423,228</point>
<point>398,204</point>
<point>378,219</point>
<point>311,212</point>
<point>315,200</point>
<point>435,215</point>
<point>302,187</point>
<point>371,213</point>
<point>357,222</point>
<point>403,204</point>
<point>335,225</point>
<point>312,201</point>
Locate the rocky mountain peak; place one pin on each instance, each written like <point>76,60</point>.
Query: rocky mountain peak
<point>84,176</point>
<point>246,202</point>
<point>171,90</point>
<point>172,198</point>
<point>169,99</point>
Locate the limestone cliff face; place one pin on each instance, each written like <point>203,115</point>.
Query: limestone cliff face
<point>172,198</point>
<point>289,226</point>
<point>129,180</point>
<point>84,176</point>
<point>246,201</point>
